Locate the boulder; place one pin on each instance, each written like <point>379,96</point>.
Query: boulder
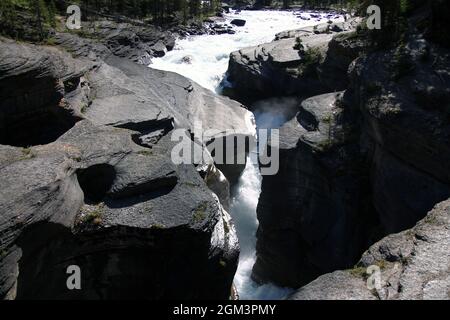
<point>34,83</point>
<point>272,69</point>
<point>101,192</point>
<point>279,68</point>
<point>187,59</point>
<point>225,7</point>
<point>238,22</point>
<point>97,200</point>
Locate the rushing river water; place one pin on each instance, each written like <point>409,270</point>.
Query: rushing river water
<point>204,59</point>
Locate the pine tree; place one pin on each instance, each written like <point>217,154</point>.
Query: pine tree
<point>7,17</point>
<point>51,14</point>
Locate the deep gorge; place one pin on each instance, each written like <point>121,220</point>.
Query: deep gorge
<point>88,179</point>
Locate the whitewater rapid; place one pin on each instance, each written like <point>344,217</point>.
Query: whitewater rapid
<point>204,59</point>
<point>209,54</point>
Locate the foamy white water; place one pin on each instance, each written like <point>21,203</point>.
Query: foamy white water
<point>243,211</point>
<point>208,57</point>
<point>209,54</point>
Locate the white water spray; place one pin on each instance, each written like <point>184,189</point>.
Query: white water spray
<point>204,59</point>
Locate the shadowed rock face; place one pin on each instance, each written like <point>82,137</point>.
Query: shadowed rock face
<point>414,265</point>
<point>314,214</point>
<point>104,193</point>
<point>139,228</point>
<point>356,168</point>
<point>32,107</point>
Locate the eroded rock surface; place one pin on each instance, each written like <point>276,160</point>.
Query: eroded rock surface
<point>281,67</point>
<point>414,265</point>
<point>358,166</point>
<point>103,192</point>
<point>312,216</point>
<point>137,42</point>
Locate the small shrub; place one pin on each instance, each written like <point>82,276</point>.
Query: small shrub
<point>402,64</point>
<point>200,212</point>
<point>311,58</point>
<point>430,219</point>
<point>327,118</point>
<point>299,44</point>
<point>93,216</point>
<point>359,272</point>
<point>382,264</point>
<point>84,108</point>
<point>145,152</point>
<point>226,227</point>
<point>50,41</point>
<point>27,153</point>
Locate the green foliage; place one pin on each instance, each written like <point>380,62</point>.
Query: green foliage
<point>93,215</point>
<point>430,219</point>
<point>84,108</point>
<point>8,17</point>
<point>159,11</point>
<point>359,272</point>
<point>37,17</point>
<point>200,212</point>
<point>402,64</point>
<point>27,153</point>
<point>145,152</point>
<point>51,14</point>
<point>226,227</point>
<point>311,58</point>
<point>328,118</point>
<point>50,41</point>
<point>404,6</point>
<point>313,55</point>
<point>298,44</point>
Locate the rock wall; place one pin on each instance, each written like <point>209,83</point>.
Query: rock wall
<point>281,68</point>
<point>315,214</point>
<point>103,193</point>
<point>414,266</point>
<point>358,165</point>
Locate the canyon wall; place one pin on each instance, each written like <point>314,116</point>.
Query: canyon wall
<point>367,160</point>
<point>88,179</point>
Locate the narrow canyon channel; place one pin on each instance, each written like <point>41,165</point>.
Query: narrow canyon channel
<point>204,59</point>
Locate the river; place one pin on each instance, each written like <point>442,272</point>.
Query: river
<point>204,59</point>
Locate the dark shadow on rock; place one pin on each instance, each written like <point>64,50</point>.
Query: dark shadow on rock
<point>143,193</point>
<point>96,181</point>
